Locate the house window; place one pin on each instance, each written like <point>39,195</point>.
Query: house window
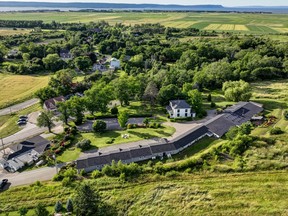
<point>185,114</point>
<point>178,115</point>
<point>186,110</point>
<point>178,110</point>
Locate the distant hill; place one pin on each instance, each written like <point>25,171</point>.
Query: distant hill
<point>109,6</point>
<point>28,6</point>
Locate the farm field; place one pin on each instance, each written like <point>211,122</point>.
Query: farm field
<point>257,193</point>
<point>9,31</point>
<point>253,23</point>
<point>17,88</point>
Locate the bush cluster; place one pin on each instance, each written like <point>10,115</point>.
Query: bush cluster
<point>84,144</point>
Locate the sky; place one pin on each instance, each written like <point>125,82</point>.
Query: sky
<point>228,3</point>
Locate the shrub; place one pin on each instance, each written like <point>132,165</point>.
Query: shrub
<point>209,98</point>
<point>129,126</point>
<point>276,131</point>
<point>58,177</point>
<point>99,126</point>
<point>111,141</point>
<point>114,110</point>
<point>69,205</point>
<point>172,174</point>
<point>286,114</point>
<point>96,174</point>
<point>58,207</point>
<point>67,181</point>
<point>84,144</point>
<point>213,105</point>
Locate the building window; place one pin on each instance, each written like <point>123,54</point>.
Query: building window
<point>178,115</point>
<point>178,110</point>
<point>186,110</point>
<point>185,114</point>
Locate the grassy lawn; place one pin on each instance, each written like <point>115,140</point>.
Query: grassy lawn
<point>134,135</point>
<point>17,88</point>
<point>252,193</point>
<point>8,124</point>
<point>100,140</point>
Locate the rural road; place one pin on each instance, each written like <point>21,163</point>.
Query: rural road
<point>18,107</point>
<point>29,177</point>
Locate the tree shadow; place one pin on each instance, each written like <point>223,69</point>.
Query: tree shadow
<point>163,133</point>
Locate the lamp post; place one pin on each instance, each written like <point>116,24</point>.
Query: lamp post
<point>56,166</point>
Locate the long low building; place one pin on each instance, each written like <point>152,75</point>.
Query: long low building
<point>218,126</point>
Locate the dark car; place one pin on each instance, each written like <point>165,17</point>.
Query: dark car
<point>23,117</point>
<point>21,122</point>
<point>3,183</point>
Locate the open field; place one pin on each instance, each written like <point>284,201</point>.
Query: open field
<point>17,88</point>
<point>9,31</point>
<point>253,23</point>
<point>257,193</point>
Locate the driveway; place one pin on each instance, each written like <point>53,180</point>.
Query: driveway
<point>112,124</point>
<point>18,107</point>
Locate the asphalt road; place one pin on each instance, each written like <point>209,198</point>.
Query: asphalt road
<point>18,107</point>
<point>29,177</point>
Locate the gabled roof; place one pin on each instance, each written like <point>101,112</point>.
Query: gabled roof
<point>140,151</point>
<point>190,136</point>
<point>50,104</point>
<point>160,148</point>
<point>38,144</point>
<point>219,125</point>
<point>179,104</point>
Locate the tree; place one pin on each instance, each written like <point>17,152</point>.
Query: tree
<point>167,93</point>
<point>151,93</point>
<point>53,62</point>
<point>123,118</point>
<point>76,109</point>
<point>41,210</point>
<point>83,62</point>
<point>23,211</point>
<point>98,97</point>
<point>45,93</point>
<point>87,201</point>
<point>62,81</point>
<point>69,205</point>
<point>63,108</point>
<point>209,98</point>
<point>237,91</point>
<point>45,120</point>
<point>84,144</point>
<point>99,126</point>
<point>195,99</point>
<point>58,207</point>
<point>146,122</point>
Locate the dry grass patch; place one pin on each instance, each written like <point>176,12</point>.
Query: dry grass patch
<point>16,88</point>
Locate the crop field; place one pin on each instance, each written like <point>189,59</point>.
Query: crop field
<point>17,88</point>
<point>9,31</point>
<point>257,193</point>
<point>253,23</point>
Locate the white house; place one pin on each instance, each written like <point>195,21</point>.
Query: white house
<point>114,63</point>
<point>180,109</point>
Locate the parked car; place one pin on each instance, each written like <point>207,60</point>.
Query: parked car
<point>3,183</point>
<point>23,117</point>
<point>21,122</point>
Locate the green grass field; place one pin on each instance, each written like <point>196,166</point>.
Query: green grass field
<point>261,193</point>
<point>243,23</point>
<point>17,88</point>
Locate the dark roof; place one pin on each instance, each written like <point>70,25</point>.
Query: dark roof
<point>179,104</point>
<point>120,155</point>
<point>189,136</point>
<point>233,116</point>
<point>219,125</point>
<point>38,144</point>
<point>160,148</point>
<point>82,163</point>
<point>141,151</point>
<point>50,104</point>
<point>99,160</point>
